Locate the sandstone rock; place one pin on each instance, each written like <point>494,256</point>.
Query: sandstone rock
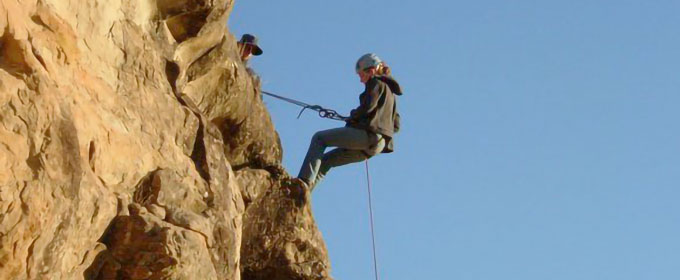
<point>253,183</point>
<point>280,239</point>
<point>131,140</point>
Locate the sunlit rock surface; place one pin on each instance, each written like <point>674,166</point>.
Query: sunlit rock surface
<point>134,145</point>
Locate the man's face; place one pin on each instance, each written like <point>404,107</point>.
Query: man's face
<point>246,51</point>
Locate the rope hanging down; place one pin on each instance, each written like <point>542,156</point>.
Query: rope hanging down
<point>323,112</point>
<point>370,211</point>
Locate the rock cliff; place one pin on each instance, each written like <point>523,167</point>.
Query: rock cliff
<point>134,145</point>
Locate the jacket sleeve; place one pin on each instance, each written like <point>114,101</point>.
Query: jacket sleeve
<point>369,101</point>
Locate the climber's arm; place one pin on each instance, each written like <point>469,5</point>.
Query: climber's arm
<point>368,100</point>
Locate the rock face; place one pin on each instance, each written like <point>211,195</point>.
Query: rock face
<point>134,145</point>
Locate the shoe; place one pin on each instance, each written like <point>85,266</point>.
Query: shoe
<point>297,189</point>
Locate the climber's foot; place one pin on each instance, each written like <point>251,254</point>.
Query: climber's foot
<point>297,189</point>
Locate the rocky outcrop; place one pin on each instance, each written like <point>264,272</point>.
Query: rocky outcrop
<point>280,239</point>
<point>134,145</point>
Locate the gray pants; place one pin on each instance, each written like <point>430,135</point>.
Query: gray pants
<point>353,145</point>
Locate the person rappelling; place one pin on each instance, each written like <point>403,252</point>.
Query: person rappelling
<point>369,130</point>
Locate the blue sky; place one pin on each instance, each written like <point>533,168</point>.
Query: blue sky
<point>540,139</point>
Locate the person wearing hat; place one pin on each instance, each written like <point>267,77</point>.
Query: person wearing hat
<point>368,131</point>
<point>248,47</point>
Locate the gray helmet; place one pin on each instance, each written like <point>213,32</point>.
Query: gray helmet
<point>367,61</point>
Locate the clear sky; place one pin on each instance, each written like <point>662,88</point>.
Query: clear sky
<point>540,139</point>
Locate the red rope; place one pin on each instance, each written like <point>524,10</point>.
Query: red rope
<point>370,210</point>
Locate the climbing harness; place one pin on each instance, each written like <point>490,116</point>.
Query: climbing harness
<point>323,112</point>
<point>370,211</point>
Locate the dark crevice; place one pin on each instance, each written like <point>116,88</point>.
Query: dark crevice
<point>91,153</point>
<point>120,204</point>
<point>187,25</point>
<point>198,155</point>
<point>35,164</point>
<point>12,56</point>
<point>240,167</point>
<point>172,72</point>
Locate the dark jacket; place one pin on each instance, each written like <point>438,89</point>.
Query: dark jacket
<point>377,111</point>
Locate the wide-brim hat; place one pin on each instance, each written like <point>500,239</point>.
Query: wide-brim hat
<point>251,40</point>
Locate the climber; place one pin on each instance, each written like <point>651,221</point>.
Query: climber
<point>368,131</point>
<point>248,47</point>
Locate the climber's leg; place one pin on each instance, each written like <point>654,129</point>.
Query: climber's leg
<point>334,158</point>
<point>343,137</point>
<point>340,156</point>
